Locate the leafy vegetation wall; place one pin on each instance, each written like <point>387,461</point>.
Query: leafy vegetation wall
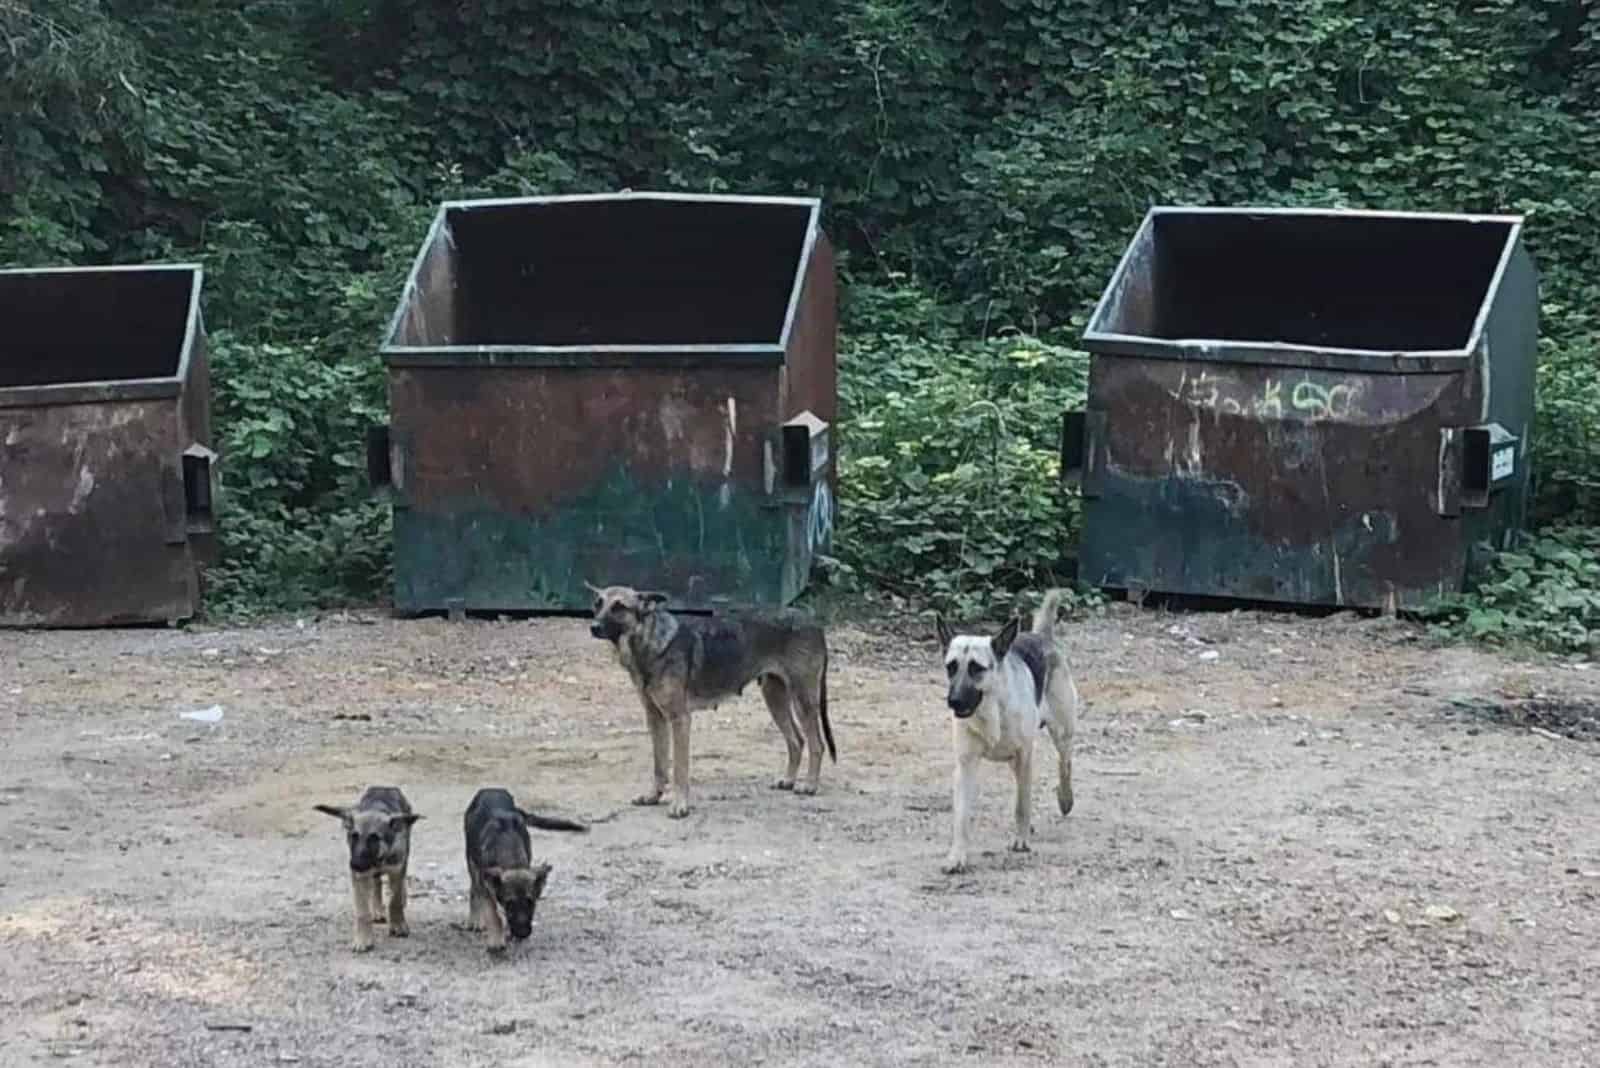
<point>983,164</point>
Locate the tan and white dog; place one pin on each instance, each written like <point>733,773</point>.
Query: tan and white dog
<point>1003,690</point>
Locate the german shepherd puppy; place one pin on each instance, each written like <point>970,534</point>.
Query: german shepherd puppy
<point>500,865</point>
<point>1002,691</point>
<point>378,833</point>
<point>682,663</point>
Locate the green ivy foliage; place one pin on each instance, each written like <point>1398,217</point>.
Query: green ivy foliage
<point>983,165</point>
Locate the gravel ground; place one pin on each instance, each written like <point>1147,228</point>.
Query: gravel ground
<point>1296,841</point>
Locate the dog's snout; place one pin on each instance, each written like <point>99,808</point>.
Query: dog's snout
<point>963,701</point>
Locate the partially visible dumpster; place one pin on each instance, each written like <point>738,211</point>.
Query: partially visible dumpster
<point>1313,407</point>
<point>105,446</point>
<point>625,388</point>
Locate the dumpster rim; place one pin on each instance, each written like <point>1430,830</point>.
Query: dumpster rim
<point>440,224</point>
<point>490,357</point>
<point>629,194</point>
<point>1100,341</point>
<point>112,390</point>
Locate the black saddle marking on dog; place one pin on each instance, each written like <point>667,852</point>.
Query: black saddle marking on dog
<point>1032,651</point>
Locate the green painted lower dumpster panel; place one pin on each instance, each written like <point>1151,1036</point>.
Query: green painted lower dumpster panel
<point>705,544</point>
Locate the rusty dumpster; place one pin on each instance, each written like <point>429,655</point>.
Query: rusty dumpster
<point>1312,407</point>
<point>105,446</point>
<point>625,388</point>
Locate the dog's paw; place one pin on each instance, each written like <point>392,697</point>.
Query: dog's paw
<point>953,865</point>
<point>361,945</point>
<point>647,799</point>
<point>783,784</point>
<point>678,810</point>
<point>1019,845</point>
<point>380,919</point>
<point>1064,801</point>
<point>496,949</point>
<point>400,930</point>
<point>805,787</point>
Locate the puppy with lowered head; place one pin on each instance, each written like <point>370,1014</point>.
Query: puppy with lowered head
<point>378,833</point>
<point>500,865</point>
<point>1003,690</point>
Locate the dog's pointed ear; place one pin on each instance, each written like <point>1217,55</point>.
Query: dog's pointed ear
<point>1001,643</point>
<point>943,628</point>
<point>650,600</point>
<point>592,588</point>
<point>540,874</point>
<point>338,812</point>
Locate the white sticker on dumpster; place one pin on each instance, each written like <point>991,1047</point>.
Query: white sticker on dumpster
<point>1503,463</point>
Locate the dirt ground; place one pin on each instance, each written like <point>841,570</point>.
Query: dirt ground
<point>1296,842</point>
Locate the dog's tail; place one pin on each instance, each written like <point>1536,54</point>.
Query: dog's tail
<point>552,823</point>
<point>822,700</point>
<point>1044,617</point>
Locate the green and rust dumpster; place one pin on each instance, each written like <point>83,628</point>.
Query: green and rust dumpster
<point>1312,407</point>
<point>624,388</point>
<point>105,434</point>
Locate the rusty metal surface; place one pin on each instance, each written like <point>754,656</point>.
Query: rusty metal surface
<point>92,522</point>
<point>528,439</point>
<point>546,433</point>
<point>96,526</point>
<point>811,385</point>
<point>1269,471</point>
<point>1254,483</point>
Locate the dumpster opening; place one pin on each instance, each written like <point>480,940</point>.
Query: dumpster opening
<point>80,326</point>
<point>1325,280</point>
<point>624,272</point>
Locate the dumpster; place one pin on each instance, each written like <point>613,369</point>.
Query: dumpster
<point>105,433</point>
<point>625,388</point>
<point>1312,407</point>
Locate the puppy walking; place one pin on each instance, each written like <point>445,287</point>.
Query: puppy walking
<point>1002,691</point>
<point>378,833</point>
<point>500,865</point>
<point>680,664</point>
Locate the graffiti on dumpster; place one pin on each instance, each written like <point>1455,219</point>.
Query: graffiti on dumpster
<point>819,518</point>
<point>1308,400</point>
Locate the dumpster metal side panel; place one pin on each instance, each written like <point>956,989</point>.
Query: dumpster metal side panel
<point>516,485</point>
<point>1507,376</point>
<point>811,384</point>
<point>1298,485</point>
<point>92,516</point>
<point>429,313</point>
<point>812,350</point>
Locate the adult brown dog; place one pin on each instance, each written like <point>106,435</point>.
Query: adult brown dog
<point>682,663</point>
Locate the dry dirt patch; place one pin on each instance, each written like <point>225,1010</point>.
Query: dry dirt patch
<point>1296,842</point>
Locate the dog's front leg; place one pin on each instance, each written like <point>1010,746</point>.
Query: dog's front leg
<point>1022,768</point>
<point>375,912</point>
<point>397,904</point>
<point>361,892</point>
<point>965,794</point>
<point>477,900</point>
<point>659,740</point>
<point>679,718</point>
<point>494,928</point>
